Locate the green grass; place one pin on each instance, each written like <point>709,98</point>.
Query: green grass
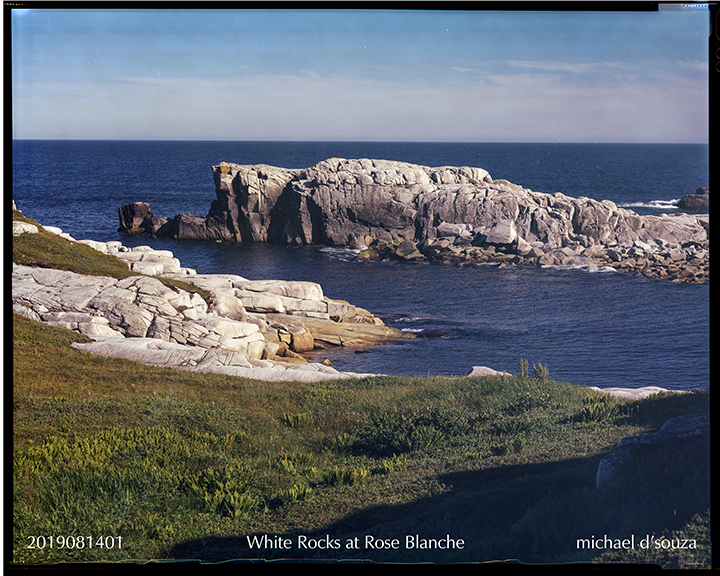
<point>162,464</point>
<point>184,465</point>
<point>48,250</point>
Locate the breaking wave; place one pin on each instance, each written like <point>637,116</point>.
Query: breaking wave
<point>653,204</point>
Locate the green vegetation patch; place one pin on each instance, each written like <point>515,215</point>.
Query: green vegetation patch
<point>48,250</point>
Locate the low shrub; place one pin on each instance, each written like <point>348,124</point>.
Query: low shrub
<point>393,464</point>
<point>293,494</point>
<point>513,425</point>
<point>395,433</point>
<point>514,446</point>
<point>419,438</point>
<point>344,442</point>
<point>296,420</point>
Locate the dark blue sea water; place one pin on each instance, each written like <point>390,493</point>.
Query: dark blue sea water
<point>595,328</point>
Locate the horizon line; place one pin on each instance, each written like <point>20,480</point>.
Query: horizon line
<point>322,141</point>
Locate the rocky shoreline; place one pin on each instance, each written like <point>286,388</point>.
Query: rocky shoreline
<point>450,215</point>
<point>687,262</point>
<point>230,325</point>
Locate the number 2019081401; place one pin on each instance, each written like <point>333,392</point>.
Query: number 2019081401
<point>74,542</point>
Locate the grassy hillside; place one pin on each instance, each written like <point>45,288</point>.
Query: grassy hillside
<point>48,250</point>
<point>118,461</point>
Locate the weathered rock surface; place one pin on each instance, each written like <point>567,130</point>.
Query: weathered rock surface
<point>447,214</point>
<point>198,359</point>
<point>249,328</point>
<point>484,371</point>
<point>630,393</point>
<point>675,428</point>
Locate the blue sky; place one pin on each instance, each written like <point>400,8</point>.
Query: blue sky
<point>377,75</point>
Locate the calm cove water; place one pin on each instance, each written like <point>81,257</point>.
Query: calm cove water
<point>595,328</point>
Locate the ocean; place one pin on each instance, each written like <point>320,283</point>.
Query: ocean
<point>594,328</point>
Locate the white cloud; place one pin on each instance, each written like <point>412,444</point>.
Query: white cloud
<point>574,67</point>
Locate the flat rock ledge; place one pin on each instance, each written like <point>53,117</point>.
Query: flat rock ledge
<point>450,215</point>
<point>256,329</point>
<point>631,393</point>
<point>675,428</point>
<point>218,360</point>
<point>619,393</point>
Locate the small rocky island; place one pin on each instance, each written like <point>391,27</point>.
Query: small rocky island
<point>389,209</point>
<point>697,202</point>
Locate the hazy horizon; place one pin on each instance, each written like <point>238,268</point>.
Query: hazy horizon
<point>349,75</point>
<point>339,141</point>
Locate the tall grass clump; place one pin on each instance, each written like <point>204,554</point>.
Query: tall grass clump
<point>296,420</point>
<point>602,408</point>
<point>225,491</point>
<point>338,476</point>
<point>540,372</point>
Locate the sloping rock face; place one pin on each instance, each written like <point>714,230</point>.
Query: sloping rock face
<point>365,202</point>
<point>676,428</point>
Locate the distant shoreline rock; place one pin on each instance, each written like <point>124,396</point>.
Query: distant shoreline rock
<point>389,209</point>
<point>698,202</point>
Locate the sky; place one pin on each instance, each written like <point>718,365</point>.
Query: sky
<point>360,75</point>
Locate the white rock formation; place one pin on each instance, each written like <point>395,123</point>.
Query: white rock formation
<point>23,228</point>
<point>147,319</point>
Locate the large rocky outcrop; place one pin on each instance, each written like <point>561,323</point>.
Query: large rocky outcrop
<point>224,323</point>
<point>415,212</point>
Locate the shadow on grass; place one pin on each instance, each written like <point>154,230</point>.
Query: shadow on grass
<point>531,513</point>
<point>470,521</point>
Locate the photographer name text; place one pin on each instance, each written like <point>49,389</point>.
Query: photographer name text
<point>648,542</point>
